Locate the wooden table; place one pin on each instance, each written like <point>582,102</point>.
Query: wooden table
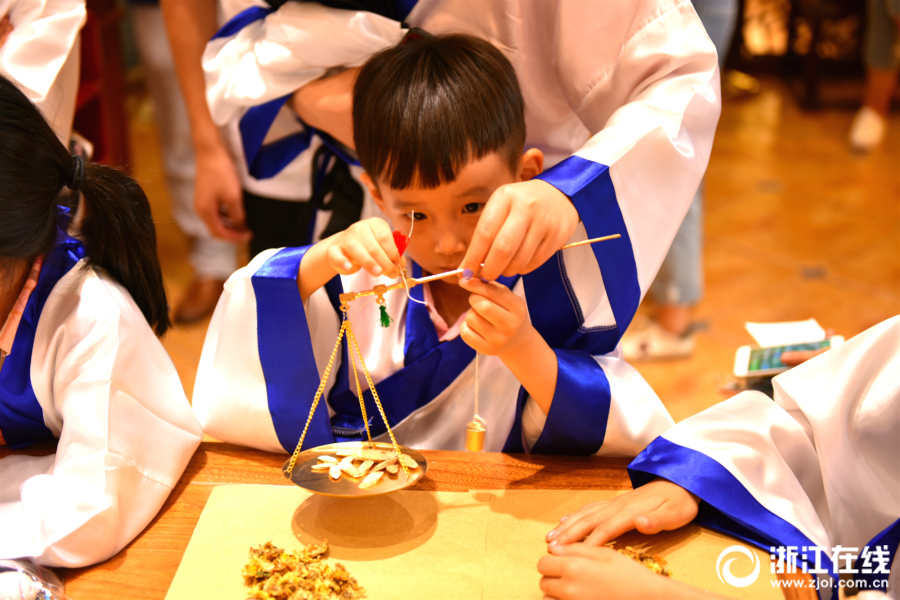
<point>146,567</point>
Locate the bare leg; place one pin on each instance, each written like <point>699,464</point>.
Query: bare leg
<point>674,318</point>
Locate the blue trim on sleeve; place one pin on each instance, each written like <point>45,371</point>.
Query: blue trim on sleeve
<point>731,508</point>
<point>241,20</point>
<point>890,537</point>
<point>286,352</point>
<point>576,423</point>
<point>266,161</point>
<point>515,441</point>
<point>589,185</point>
<point>21,415</point>
<point>556,314</point>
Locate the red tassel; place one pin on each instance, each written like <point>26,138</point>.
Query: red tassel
<point>402,241</point>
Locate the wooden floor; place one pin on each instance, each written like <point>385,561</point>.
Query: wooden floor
<point>795,227</point>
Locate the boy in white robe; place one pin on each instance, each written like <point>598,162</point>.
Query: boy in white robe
<point>817,470</point>
<point>551,381</point>
<point>79,361</point>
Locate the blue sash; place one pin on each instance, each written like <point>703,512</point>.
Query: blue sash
<point>21,415</point>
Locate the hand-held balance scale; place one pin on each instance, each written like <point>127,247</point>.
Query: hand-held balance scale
<point>385,468</point>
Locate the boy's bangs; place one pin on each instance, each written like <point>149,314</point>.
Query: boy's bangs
<point>425,110</point>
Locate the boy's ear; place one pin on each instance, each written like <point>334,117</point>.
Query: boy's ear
<point>373,189</point>
<point>531,165</point>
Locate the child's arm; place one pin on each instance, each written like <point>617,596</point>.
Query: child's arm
<point>580,401</point>
<point>658,506</point>
<point>365,245</point>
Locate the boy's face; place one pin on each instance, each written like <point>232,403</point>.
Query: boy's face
<point>446,216</point>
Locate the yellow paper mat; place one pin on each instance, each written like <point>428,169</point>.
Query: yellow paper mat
<point>422,545</point>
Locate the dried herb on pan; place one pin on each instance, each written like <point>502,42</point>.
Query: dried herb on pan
<point>654,562</point>
<point>374,464</point>
<point>276,574</point>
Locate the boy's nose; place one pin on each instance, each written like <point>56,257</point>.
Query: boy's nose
<point>449,243</point>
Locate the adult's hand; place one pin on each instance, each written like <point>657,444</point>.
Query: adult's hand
<point>522,226</point>
<point>218,197</point>
<point>217,189</point>
<point>327,105</point>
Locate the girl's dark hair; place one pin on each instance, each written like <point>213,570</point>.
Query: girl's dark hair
<point>117,228</point>
<point>424,109</point>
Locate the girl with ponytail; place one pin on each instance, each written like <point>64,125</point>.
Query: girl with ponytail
<point>79,360</point>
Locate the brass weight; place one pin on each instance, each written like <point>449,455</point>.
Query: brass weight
<point>475,436</point>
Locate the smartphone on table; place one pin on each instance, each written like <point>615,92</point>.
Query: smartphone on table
<point>753,361</point>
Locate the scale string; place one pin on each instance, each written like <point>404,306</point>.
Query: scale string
<point>412,225</point>
<point>476,416</point>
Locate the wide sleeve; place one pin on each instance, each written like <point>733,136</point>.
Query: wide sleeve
<point>126,432</point>
<point>651,107</point>
<point>601,404</point>
<point>44,35</point>
<point>263,357</point>
<point>261,55</point>
<point>816,468</point>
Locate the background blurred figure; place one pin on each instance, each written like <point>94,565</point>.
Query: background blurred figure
<point>213,260</point>
<point>882,57</point>
<point>679,284</point>
<point>40,50</point>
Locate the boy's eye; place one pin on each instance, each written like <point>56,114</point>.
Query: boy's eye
<point>472,207</point>
<point>418,216</point>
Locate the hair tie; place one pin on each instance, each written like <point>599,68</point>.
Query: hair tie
<point>413,34</point>
<point>77,174</point>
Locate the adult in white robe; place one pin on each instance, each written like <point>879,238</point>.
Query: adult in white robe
<point>86,368</point>
<point>42,54</point>
<point>817,470</point>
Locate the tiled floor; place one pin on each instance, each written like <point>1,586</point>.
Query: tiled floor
<point>795,227</point>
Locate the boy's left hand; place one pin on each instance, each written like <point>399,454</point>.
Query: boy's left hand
<point>582,572</point>
<point>523,224</point>
<point>498,321</point>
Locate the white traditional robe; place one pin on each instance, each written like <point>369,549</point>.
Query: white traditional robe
<point>818,467</point>
<point>42,54</point>
<point>266,350</point>
<point>87,369</point>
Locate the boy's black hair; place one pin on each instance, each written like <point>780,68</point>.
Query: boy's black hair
<point>117,228</point>
<point>424,109</point>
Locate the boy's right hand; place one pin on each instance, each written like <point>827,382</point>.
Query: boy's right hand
<point>659,505</point>
<point>368,245</point>
<point>365,245</point>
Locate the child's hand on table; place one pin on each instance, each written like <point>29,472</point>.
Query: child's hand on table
<point>523,224</point>
<point>368,245</point>
<point>660,505</point>
<point>583,572</point>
